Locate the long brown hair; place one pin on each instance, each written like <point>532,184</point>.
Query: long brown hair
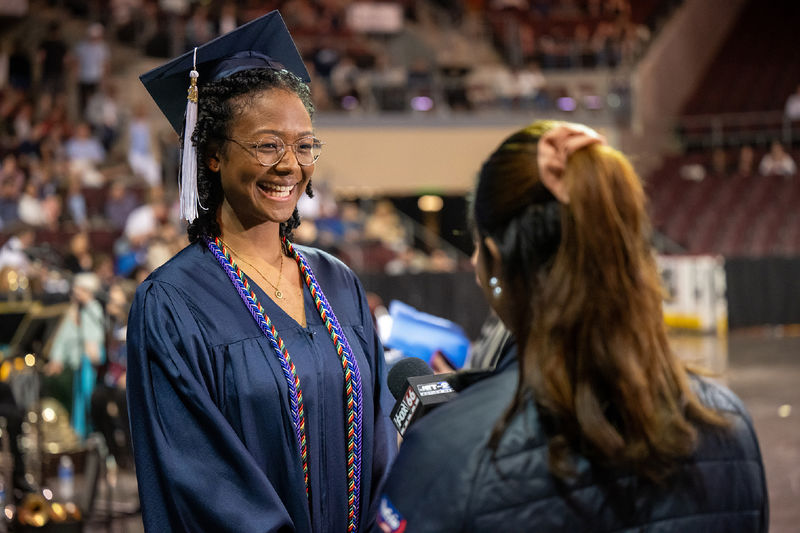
<point>586,299</point>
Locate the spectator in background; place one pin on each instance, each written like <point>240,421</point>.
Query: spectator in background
<point>324,59</point>
<point>345,82</point>
<point>102,113</point>
<point>23,129</point>
<point>141,157</point>
<point>145,219</point>
<point>79,344</point>
<point>30,208</point>
<point>199,28</point>
<point>529,83</point>
<point>747,159</point>
<point>228,18</point>
<point>384,225</point>
<point>75,203</point>
<point>13,253</point>
<point>11,173</point>
<point>92,55</point>
<point>52,58</point>
<point>792,110</point>
<point>12,180</point>
<point>20,71</point>
<point>119,204</point>
<point>79,257</point>
<point>131,250</point>
<point>777,162</point>
<point>719,163</point>
<point>83,146</point>
<point>104,269</point>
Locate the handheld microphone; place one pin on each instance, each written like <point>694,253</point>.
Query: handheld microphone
<point>417,389</point>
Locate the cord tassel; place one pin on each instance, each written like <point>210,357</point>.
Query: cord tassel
<point>188,183</point>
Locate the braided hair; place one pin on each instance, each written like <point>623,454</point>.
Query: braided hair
<point>219,107</point>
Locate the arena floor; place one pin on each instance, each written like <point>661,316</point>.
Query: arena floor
<point>764,370</point>
<point>762,366</point>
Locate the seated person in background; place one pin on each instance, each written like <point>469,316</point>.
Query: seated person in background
<point>598,426</point>
<point>14,252</point>
<point>777,162</point>
<point>746,159</point>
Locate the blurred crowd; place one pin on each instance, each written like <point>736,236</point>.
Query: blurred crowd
<point>405,55</point>
<point>743,162</point>
<point>88,178</point>
<point>84,166</point>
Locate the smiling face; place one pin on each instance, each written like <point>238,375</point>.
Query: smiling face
<point>255,194</point>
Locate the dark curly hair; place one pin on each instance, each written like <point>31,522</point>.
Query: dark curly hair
<point>218,108</point>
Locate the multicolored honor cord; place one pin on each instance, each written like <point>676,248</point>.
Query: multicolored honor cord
<point>352,376</point>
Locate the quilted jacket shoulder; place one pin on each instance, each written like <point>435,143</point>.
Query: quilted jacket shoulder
<point>466,487</point>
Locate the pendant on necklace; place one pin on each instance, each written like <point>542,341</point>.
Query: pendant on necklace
<point>278,294</point>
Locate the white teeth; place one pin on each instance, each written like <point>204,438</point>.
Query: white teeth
<point>279,188</point>
<point>279,191</point>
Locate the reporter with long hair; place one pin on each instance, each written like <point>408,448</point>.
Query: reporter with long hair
<point>598,426</point>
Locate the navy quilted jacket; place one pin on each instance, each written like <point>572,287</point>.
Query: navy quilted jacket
<point>445,480</point>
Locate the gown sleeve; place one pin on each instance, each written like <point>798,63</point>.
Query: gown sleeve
<point>194,472</point>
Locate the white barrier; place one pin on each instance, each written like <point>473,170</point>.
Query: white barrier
<point>695,287</point>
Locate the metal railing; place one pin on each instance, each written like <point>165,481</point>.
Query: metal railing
<point>758,128</point>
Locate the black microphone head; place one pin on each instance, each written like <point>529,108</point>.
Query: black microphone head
<point>404,369</point>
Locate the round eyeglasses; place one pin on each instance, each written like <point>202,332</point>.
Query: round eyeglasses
<point>269,150</point>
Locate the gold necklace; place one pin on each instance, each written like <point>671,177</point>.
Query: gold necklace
<point>278,293</point>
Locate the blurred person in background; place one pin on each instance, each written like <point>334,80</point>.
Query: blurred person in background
<point>75,209</point>
<point>31,208</point>
<point>228,18</point>
<point>53,57</point>
<point>746,164</point>
<point>78,257</point>
<point>79,348</point>
<point>718,166</point>
<point>597,426</point>
<point>121,201</point>
<point>777,162</point>
<point>141,156</point>
<point>92,56</point>
<point>141,226</point>
<point>384,225</point>
<point>103,114</point>
<point>84,146</point>
<point>199,28</point>
<point>20,68</point>
<point>14,252</point>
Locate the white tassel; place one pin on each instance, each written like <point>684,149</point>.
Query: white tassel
<point>188,183</point>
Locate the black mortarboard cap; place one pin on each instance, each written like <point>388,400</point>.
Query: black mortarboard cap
<point>262,43</point>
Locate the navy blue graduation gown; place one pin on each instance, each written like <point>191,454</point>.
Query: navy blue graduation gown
<point>213,441</point>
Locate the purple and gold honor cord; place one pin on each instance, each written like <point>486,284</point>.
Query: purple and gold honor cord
<point>352,376</point>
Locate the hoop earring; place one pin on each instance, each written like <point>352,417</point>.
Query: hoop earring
<point>497,290</point>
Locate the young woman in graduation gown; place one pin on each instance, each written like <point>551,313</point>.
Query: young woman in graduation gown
<point>254,372</point>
